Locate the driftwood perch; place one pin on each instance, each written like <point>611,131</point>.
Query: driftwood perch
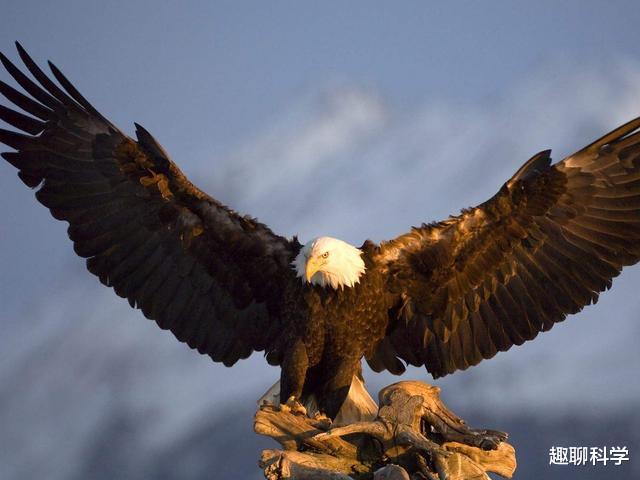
<point>412,436</point>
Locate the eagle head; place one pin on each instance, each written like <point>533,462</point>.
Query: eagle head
<point>329,261</point>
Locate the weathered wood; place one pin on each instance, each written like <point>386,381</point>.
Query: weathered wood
<point>413,436</point>
<point>502,460</point>
<point>278,464</point>
<point>296,432</point>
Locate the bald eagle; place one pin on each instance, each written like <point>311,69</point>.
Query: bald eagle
<point>445,295</point>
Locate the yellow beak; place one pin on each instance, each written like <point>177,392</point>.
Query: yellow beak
<point>311,268</point>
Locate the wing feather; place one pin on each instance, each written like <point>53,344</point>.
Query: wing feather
<point>211,276</point>
<point>495,276</point>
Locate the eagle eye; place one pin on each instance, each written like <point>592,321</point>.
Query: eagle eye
<point>325,255</point>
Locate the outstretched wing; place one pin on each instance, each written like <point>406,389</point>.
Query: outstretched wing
<point>543,247</point>
<point>196,267</point>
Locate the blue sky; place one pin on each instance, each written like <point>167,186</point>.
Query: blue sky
<point>354,119</point>
<point>229,66</point>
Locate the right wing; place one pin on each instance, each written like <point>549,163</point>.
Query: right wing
<point>495,276</point>
<point>196,267</point>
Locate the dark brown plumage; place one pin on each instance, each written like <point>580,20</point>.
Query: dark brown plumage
<point>543,247</point>
<point>445,295</point>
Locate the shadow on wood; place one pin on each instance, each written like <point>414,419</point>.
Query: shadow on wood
<point>412,436</point>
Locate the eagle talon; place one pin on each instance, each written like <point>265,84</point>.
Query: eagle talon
<point>322,421</point>
<point>294,407</point>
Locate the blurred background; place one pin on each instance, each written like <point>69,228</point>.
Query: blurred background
<point>350,119</point>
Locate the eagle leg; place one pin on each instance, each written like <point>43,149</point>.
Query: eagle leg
<point>337,384</point>
<point>292,377</point>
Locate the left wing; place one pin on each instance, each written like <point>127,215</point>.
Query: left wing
<point>543,247</point>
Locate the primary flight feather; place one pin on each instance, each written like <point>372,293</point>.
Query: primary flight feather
<point>445,295</point>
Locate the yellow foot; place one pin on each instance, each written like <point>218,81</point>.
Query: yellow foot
<point>322,421</point>
<point>293,406</point>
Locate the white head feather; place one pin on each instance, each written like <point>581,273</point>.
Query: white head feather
<point>330,262</point>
